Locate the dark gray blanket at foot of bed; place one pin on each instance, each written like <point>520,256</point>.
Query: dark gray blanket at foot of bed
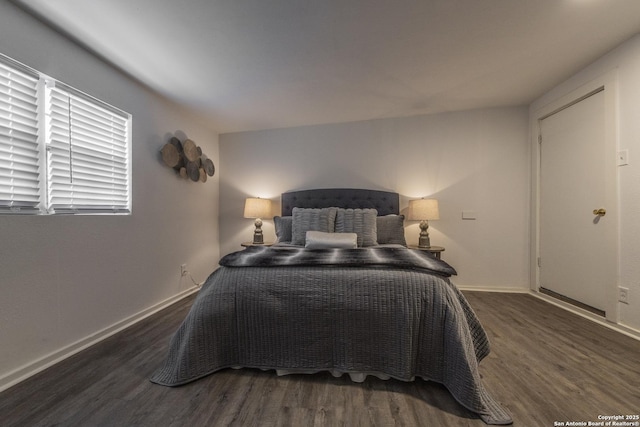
<point>398,257</point>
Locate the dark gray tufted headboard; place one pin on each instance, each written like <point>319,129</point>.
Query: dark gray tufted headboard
<point>385,202</point>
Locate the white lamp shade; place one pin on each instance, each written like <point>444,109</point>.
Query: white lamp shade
<point>423,209</point>
<point>255,207</point>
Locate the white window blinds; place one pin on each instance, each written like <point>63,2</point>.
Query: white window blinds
<point>87,153</point>
<point>61,150</point>
<point>19,145</point>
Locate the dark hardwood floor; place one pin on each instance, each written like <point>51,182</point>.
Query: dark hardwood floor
<point>547,365</point>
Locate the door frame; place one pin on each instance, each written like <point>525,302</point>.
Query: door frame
<point>608,82</point>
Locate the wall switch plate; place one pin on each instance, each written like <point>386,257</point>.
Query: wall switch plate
<point>623,157</point>
<point>469,215</point>
<point>623,295</point>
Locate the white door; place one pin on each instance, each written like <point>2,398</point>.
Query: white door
<point>573,240</point>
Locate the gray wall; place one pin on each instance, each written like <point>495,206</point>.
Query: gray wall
<point>474,160</point>
<point>65,278</point>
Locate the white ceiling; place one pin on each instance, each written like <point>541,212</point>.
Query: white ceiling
<point>258,64</point>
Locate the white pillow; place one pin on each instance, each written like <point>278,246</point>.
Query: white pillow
<point>321,240</point>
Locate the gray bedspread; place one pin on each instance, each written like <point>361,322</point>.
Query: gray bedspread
<point>401,322</point>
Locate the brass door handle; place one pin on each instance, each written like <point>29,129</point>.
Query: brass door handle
<point>600,212</point>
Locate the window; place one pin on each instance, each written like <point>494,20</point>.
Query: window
<point>87,158</point>
<point>61,151</point>
<point>19,145</point>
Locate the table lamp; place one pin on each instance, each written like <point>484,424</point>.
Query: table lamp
<point>423,210</point>
<point>257,208</point>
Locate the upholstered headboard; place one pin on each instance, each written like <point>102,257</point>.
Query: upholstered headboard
<point>385,202</point>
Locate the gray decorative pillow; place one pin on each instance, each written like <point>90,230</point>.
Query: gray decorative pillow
<point>320,240</point>
<point>283,228</point>
<point>311,220</point>
<point>391,230</point>
<point>359,221</point>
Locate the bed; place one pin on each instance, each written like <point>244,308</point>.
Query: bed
<point>338,292</point>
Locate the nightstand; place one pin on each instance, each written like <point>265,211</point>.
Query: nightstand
<point>434,250</point>
<point>247,244</point>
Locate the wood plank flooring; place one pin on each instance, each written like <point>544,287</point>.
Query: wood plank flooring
<point>547,365</point>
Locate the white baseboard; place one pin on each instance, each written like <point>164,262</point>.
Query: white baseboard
<point>39,365</point>
<point>625,330</point>
<point>507,290</point>
<point>630,332</point>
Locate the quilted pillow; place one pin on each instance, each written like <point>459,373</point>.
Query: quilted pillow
<point>320,240</point>
<point>283,228</point>
<point>359,221</point>
<point>390,230</point>
<point>304,220</point>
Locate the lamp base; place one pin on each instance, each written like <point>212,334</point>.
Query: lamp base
<point>257,234</point>
<point>424,241</point>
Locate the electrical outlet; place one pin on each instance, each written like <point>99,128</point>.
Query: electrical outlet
<point>623,157</point>
<point>183,270</point>
<point>623,294</point>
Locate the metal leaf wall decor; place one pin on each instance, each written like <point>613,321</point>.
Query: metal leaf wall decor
<point>187,159</point>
